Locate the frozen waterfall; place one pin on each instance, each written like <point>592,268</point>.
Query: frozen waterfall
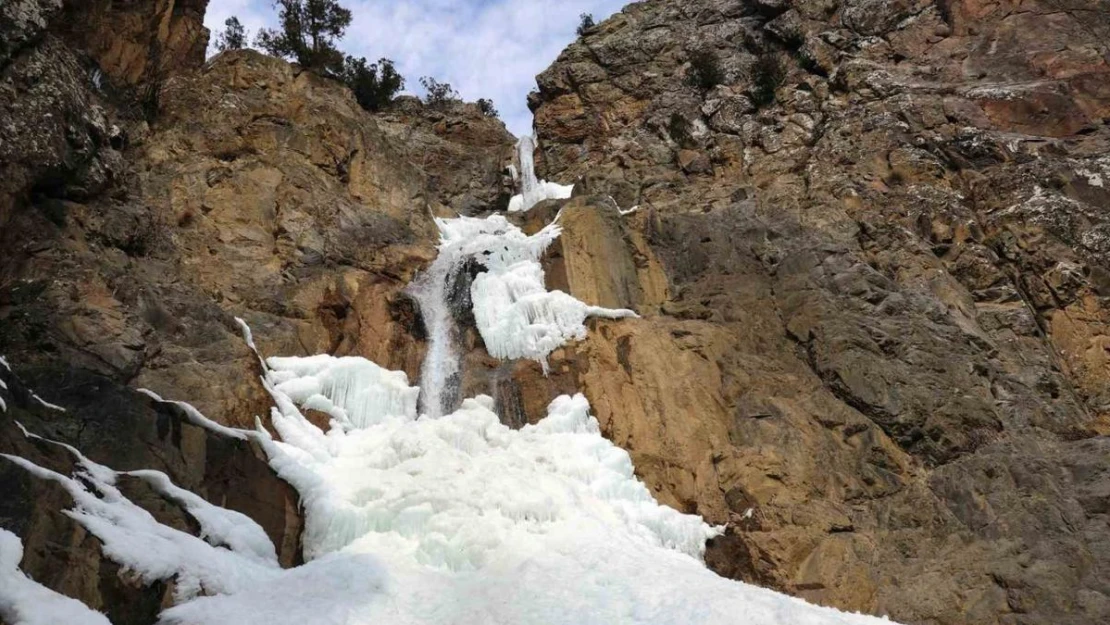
<point>430,514</point>
<point>516,315</point>
<point>532,190</point>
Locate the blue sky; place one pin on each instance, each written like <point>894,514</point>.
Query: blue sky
<point>484,48</point>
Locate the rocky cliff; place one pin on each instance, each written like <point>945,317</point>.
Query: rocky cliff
<point>147,200</point>
<point>881,349</point>
<point>870,258</point>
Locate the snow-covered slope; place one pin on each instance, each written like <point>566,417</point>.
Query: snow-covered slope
<point>419,520</point>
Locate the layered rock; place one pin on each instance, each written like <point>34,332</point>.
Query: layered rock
<point>879,356</point>
<point>148,200</point>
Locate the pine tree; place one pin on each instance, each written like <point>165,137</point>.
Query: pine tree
<point>586,23</point>
<point>309,29</point>
<point>438,94</point>
<point>486,106</point>
<point>373,85</point>
<point>233,37</point>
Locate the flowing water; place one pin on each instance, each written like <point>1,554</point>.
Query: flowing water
<point>441,372</point>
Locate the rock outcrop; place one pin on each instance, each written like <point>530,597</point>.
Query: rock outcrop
<point>881,352</point>
<point>461,152</point>
<point>148,199</point>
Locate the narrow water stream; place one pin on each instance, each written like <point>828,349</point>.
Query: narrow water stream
<point>440,374</point>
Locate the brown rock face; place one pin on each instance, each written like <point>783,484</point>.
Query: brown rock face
<point>261,192</point>
<point>876,344</point>
<point>63,67</point>
<point>136,43</point>
<point>146,202</point>
<point>460,152</point>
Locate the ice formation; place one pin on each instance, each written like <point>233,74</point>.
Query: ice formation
<point>419,520</point>
<point>532,190</point>
<point>354,392</point>
<point>515,313</point>
<point>413,519</point>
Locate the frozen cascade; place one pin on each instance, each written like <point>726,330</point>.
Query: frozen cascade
<point>515,313</point>
<point>526,154</point>
<point>413,520</point>
<point>416,518</point>
<point>532,190</point>
<point>440,371</point>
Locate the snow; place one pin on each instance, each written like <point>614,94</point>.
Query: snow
<point>196,418</point>
<point>533,191</point>
<point>47,404</point>
<point>463,520</point>
<point>23,601</point>
<point>218,526</point>
<point>131,537</point>
<point>4,387</point>
<point>353,391</point>
<point>248,338</point>
<point>414,520</point>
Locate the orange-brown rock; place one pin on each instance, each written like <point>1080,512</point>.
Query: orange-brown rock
<point>132,239</point>
<point>138,43</point>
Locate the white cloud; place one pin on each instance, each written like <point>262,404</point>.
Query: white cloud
<point>484,48</point>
